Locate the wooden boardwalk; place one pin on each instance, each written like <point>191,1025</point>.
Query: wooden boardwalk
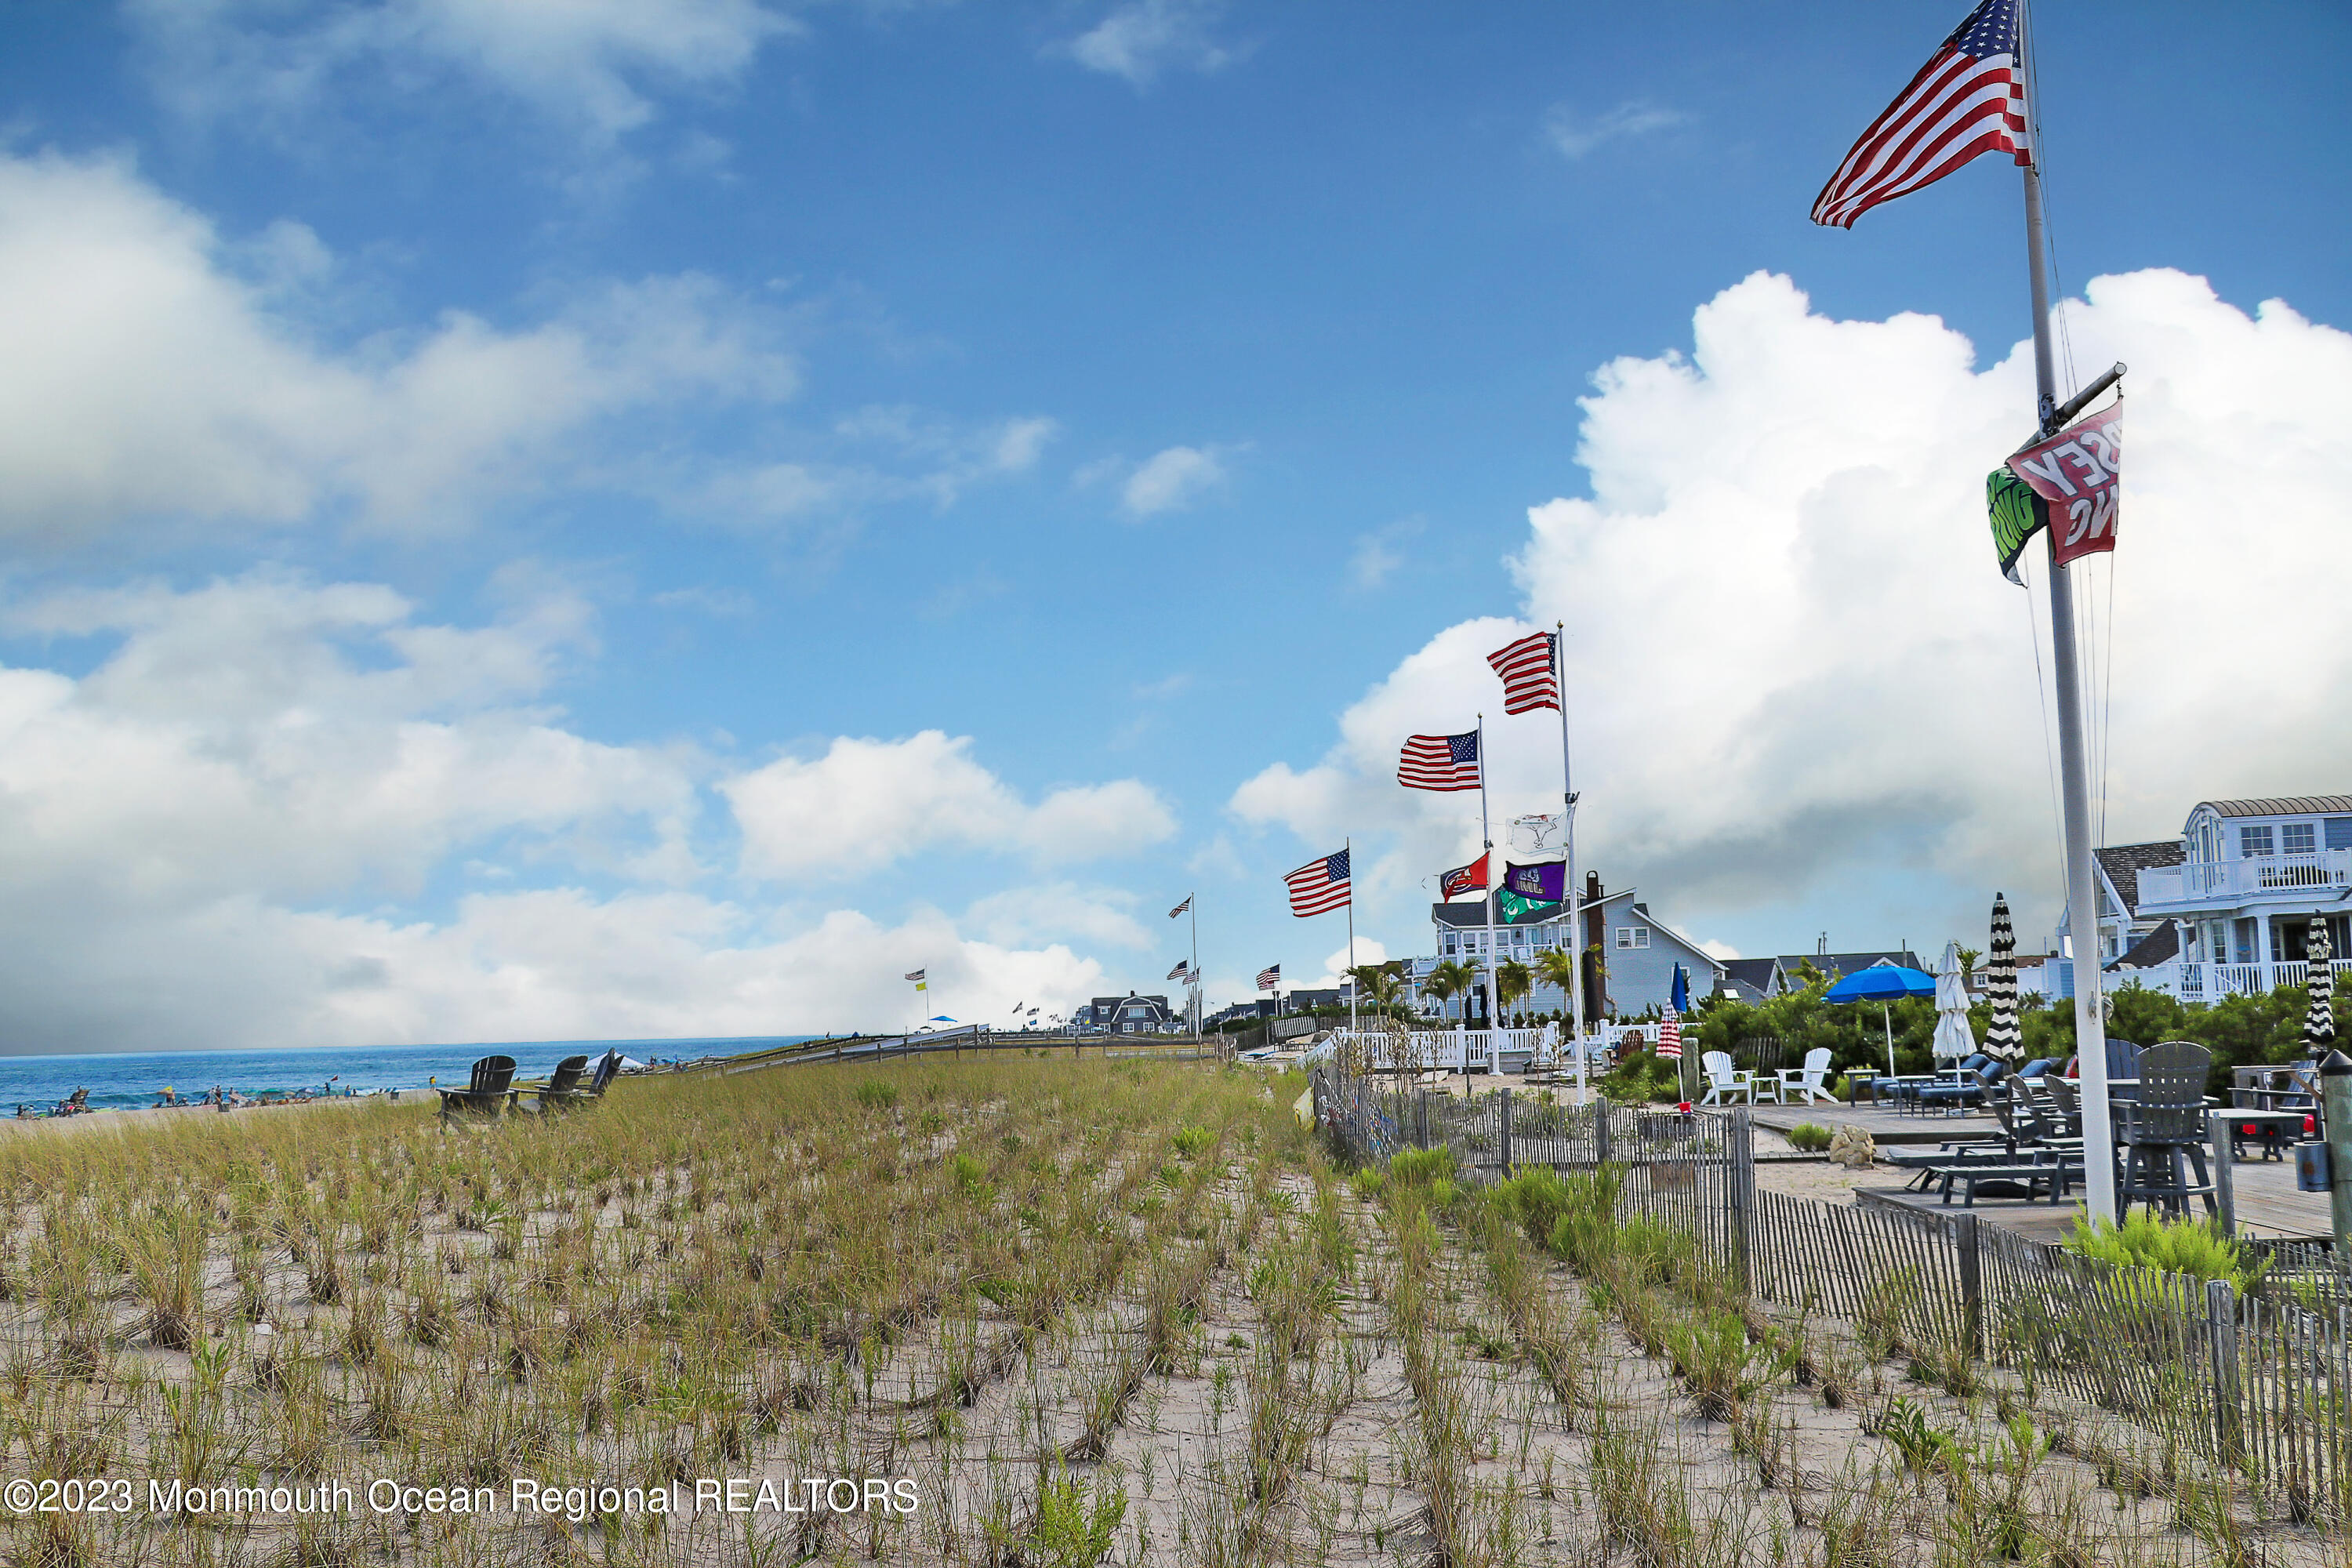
<point>2269,1208</point>
<point>1884,1125</point>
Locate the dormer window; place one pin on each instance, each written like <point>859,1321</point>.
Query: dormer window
<point>2253,841</point>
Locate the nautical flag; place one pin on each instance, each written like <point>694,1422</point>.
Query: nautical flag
<point>1269,976</point>
<point>1181,908</point>
<point>1544,883</point>
<point>1969,98</point>
<point>1528,679</point>
<point>1470,878</point>
<point>1181,971</point>
<point>1440,761</point>
<point>1670,1036</point>
<point>1320,886</point>
<point>917,976</point>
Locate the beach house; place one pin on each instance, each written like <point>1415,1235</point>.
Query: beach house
<point>2229,907</point>
<point>1638,951</point>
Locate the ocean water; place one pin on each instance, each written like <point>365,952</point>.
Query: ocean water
<point>126,1080</point>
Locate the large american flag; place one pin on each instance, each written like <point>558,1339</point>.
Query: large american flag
<point>1670,1036</point>
<point>1269,976</point>
<point>1968,99</point>
<point>1320,886</point>
<point>1184,970</point>
<point>1528,680</point>
<point>1439,762</point>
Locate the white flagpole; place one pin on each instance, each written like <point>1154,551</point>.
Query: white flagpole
<point>1575,893</point>
<point>2082,883</point>
<point>1485,834</point>
<point>1347,848</point>
<point>1193,909</point>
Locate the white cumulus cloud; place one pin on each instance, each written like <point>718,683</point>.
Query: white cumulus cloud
<point>1140,38</point>
<point>1171,480</point>
<point>1797,680</point>
<point>866,802</point>
<point>148,378</point>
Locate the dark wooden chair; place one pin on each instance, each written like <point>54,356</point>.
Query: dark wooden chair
<point>560,1086</point>
<point>572,1094</point>
<point>485,1093</point>
<point>2162,1130</point>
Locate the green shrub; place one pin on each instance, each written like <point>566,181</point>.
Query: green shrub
<point>970,1176</point>
<point>1810,1136</point>
<point>2187,1246</point>
<point>1420,1167</point>
<point>1190,1141</point>
<point>875,1095</point>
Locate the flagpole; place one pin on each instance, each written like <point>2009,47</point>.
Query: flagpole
<point>1575,894</point>
<point>2082,886</point>
<point>1194,910</point>
<point>1347,848</point>
<point>1486,836</point>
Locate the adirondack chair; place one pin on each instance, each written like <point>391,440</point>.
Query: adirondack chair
<point>1811,1080</point>
<point>561,1085</point>
<point>2162,1129</point>
<point>574,1094</point>
<point>485,1094</point>
<point>1723,1081</point>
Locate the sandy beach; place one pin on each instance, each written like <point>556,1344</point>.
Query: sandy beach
<point>168,1115</point>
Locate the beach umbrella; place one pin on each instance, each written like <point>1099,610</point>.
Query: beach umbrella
<point>2319,1012</point>
<point>2002,1041</point>
<point>1953,1038</point>
<point>1882,984</point>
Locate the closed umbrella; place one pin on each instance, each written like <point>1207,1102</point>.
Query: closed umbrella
<point>1883,983</point>
<point>1953,1037</point>
<point>2319,1014</point>
<point>2002,1041</point>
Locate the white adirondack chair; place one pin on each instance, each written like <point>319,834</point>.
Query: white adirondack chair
<point>1723,1081</point>
<point>1811,1080</point>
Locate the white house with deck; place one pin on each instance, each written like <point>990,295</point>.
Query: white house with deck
<point>2230,907</point>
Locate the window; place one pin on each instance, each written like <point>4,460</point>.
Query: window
<point>2339,832</point>
<point>1632,936</point>
<point>2253,841</point>
<point>2299,837</point>
<point>2242,931</point>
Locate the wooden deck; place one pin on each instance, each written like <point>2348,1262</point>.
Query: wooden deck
<point>2269,1208</point>
<point>1884,1125</point>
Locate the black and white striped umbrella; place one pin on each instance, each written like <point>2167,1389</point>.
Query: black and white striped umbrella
<point>2319,1014</point>
<point>2002,1040</point>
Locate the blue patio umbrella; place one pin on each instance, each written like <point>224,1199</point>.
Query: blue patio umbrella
<point>1882,984</point>
<point>1682,990</point>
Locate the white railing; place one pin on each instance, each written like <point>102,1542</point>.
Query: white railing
<point>2248,876</point>
<point>2192,979</point>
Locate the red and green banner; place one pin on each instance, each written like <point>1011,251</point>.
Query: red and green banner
<point>2077,474</point>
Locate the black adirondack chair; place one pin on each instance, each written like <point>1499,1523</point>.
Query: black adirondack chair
<point>561,1085</point>
<point>2162,1130</point>
<point>570,1094</point>
<point>485,1094</point>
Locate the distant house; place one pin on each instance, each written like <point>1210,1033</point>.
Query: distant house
<point>1128,1014</point>
<point>1638,953</point>
<point>1760,979</point>
<point>1751,978</point>
<point>2227,906</point>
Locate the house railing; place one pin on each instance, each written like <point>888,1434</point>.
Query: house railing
<point>2194,980</point>
<point>2163,886</point>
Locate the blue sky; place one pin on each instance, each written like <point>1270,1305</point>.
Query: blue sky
<point>482,477</point>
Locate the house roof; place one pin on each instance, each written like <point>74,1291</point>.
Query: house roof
<point>1838,965</point>
<point>1756,971</point>
<point>2283,805</point>
<point>2123,863</point>
<point>2158,946</point>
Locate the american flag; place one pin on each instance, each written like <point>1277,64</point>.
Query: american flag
<point>1528,680</point>
<point>1320,886</point>
<point>1269,976</point>
<point>1439,762</point>
<point>1181,908</point>
<point>1969,98</point>
<point>1183,968</point>
<point>1670,1036</point>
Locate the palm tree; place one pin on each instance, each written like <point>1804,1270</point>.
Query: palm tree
<point>1557,966</point>
<point>1448,980</point>
<point>1379,987</point>
<point>1512,979</point>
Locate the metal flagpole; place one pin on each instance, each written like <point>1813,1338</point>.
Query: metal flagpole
<point>1196,912</point>
<point>1485,834</point>
<point>1575,893</point>
<point>1347,848</point>
<point>2082,886</point>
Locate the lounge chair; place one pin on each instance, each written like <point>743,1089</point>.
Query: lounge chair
<point>485,1094</point>
<point>1811,1080</point>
